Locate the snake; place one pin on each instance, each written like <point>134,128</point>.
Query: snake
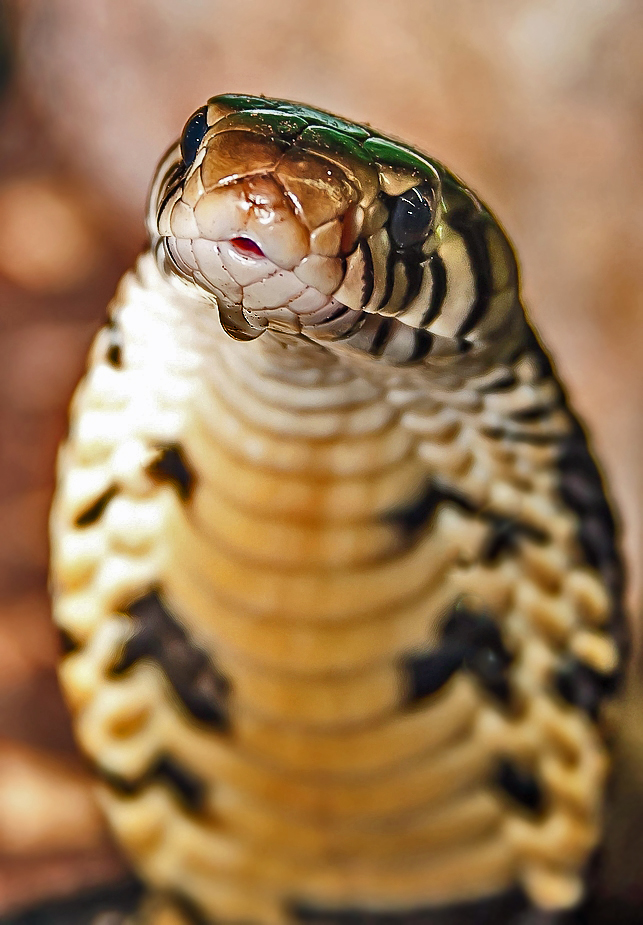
<point>333,564</point>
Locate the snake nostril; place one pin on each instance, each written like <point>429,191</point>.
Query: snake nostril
<point>246,247</point>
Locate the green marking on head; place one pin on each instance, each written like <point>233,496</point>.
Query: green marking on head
<point>309,115</point>
<point>333,141</point>
<point>392,154</point>
<point>281,124</point>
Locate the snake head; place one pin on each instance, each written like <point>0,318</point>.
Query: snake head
<point>291,218</point>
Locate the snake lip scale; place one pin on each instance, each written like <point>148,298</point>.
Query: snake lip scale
<point>334,564</point>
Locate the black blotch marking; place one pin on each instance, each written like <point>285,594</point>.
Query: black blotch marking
<point>423,342</point>
<point>583,687</point>
<point>193,133</point>
<point>95,511</point>
<point>418,513</point>
<point>67,642</point>
<point>191,790</point>
<point>381,337</point>
<point>410,218</point>
<point>521,785</point>
<point>484,650</point>
<point>471,641</point>
<point>426,674</point>
<point>114,353</point>
<point>170,466</point>
<point>436,268</point>
<point>508,908</point>
<point>505,536</point>
<point>156,635</point>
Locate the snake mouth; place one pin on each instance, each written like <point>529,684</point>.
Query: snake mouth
<point>246,247</point>
<point>245,242</point>
<point>250,291</point>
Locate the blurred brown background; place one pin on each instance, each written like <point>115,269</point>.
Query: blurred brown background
<point>538,104</point>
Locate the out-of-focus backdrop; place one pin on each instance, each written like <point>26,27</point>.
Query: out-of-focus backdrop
<point>537,103</point>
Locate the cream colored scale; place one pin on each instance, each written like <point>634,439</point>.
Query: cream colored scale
<point>327,790</point>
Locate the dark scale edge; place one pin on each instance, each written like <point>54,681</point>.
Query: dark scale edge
<point>188,909</point>
<point>506,382</point>
<point>368,333</point>
<point>436,268</point>
<point>68,644</point>
<point>417,513</point>
<point>96,509</point>
<point>111,903</point>
<point>381,337</point>
<point>472,231</point>
<point>171,182</point>
<point>114,352</point>
<point>505,536</point>
<point>510,908</point>
<point>521,785</point>
<point>534,415</point>
<point>157,635</point>
<point>423,342</point>
<point>170,465</point>
<point>505,533</point>
<point>582,490</point>
<point>190,789</point>
<point>583,687</point>
<point>414,271</point>
<point>515,436</point>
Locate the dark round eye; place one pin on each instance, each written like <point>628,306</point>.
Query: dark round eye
<point>192,135</point>
<point>410,218</point>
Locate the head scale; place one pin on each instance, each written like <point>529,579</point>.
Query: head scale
<point>292,218</point>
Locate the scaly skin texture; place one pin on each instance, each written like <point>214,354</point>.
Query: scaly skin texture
<point>331,555</point>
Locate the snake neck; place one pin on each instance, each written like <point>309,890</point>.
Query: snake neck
<point>476,425</point>
<point>390,352</point>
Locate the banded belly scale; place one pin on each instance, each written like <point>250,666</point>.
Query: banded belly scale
<point>331,557</point>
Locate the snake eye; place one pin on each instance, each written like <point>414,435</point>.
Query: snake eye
<point>410,218</point>
<point>192,135</point>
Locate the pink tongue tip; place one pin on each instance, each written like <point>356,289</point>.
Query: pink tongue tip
<point>246,247</point>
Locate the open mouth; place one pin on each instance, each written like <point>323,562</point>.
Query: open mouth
<point>246,247</point>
